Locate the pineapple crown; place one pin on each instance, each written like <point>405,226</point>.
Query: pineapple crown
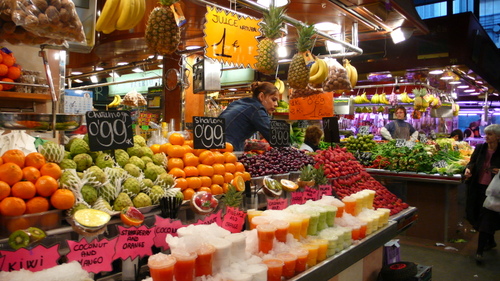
<point>232,198</point>
<point>319,175</point>
<point>168,2</point>
<point>304,41</point>
<point>273,21</point>
<point>307,173</point>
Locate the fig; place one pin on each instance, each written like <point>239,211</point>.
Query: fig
<point>203,202</point>
<point>272,187</point>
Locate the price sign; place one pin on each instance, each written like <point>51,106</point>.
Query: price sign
<point>400,142</point>
<point>364,130</point>
<point>95,256</point>
<point>410,144</point>
<point>422,138</point>
<point>209,132</point>
<point>331,129</point>
<point>280,133</point>
<point>109,130</point>
<point>313,107</point>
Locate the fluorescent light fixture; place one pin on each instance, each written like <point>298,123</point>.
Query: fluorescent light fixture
<point>76,72</point>
<point>98,68</point>
<point>462,87</point>
<point>327,26</point>
<point>331,47</point>
<point>160,57</point>
<point>160,65</point>
<point>277,3</point>
<point>114,74</point>
<point>454,82</point>
<point>78,81</point>
<point>436,72</point>
<point>282,51</point>
<point>474,94</point>
<point>400,34</point>
<point>137,70</point>
<point>93,78</point>
<point>232,89</point>
<point>192,48</point>
<point>122,63</point>
<point>454,95</point>
<point>469,91</point>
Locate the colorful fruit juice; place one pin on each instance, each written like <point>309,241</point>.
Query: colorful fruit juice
<point>266,234</point>
<point>251,213</point>
<point>340,210</point>
<point>281,229</point>
<point>184,267</point>
<point>323,248</point>
<point>350,205</point>
<point>386,214</point>
<point>322,219</point>
<point>274,269</point>
<point>301,263</point>
<point>331,212</point>
<point>295,227</point>
<point>312,229</point>
<point>305,224</point>
<point>359,203</point>
<point>289,260</point>
<point>259,220</point>
<point>312,257</point>
<point>161,267</point>
<point>362,230</point>
<point>204,261</point>
<point>371,197</point>
<point>355,232</point>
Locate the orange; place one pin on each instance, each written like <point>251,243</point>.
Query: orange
<point>191,171</point>
<point>230,167</point>
<point>50,220</point>
<point>181,183</point>
<point>205,188</point>
<point>190,159</point>
<point>46,186</point>
<point>217,179</point>
<point>14,72</point>
<point>1,87</point>
<point>188,148</point>
<point>23,190</point>
<point>3,69</point>
<point>239,167</point>
<point>175,162</point>
<point>206,170</point>
<point>229,147</point>
<point>197,152</point>
<point>155,148</point>
<point>31,174</point>
<point>189,142</point>
<point>7,87</point>
<point>194,182</point>
<point>230,157</point>
<point>216,189</point>
<point>164,147</point>
<point>129,220</point>
<point>219,169</point>
<point>188,193</point>
<point>18,223</point>
<point>176,151</point>
<point>225,187</point>
<point>62,199</point>
<point>37,205</point>
<point>8,59</point>
<point>207,157</point>
<point>51,169</point>
<point>176,138</point>
<point>15,156</point>
<point>12,206</point>
<point>206,181</point>
<point>246,176</point>
<point>235,174</point>
<point>34,159</point>
<point>239,183</point>
<point>10,173</point>
<point>228,177</point>
<point>219,157</point>
<point>177,172</point>
<point>4,190</point>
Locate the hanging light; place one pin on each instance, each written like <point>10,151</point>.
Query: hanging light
<point>400,34</point>
<point>94,79</point>
<point>436,72</point>
<point>137,70</point>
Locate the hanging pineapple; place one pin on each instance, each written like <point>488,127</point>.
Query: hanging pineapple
<point>267,60</point>
<point>298,73</point>
<point>162,33</point>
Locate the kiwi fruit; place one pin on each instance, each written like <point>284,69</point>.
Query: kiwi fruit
<point>36,234</point>
<point>19,239</point>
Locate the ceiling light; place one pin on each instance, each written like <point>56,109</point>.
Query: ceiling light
<point>469,91</point>
<point>160,65</point>
<point>400,34</point>
<point>436,72</point>
<point>462,87</point>
<point>122,63</point>
<point>277,3</point>
<point>447,76</point>
<point>282,51</point>
<point>327,26</point>
<point>78,81</point>
<point>76,72</point>
<point>454,82</point>
<point>114,74</point>
<point>137,70</point>
<point>98,68</point>
<point>160,57</point>
<point>474,94</point>
<point>94,79</point>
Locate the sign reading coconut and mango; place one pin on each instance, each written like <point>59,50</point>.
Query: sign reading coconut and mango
<point>231,38</point>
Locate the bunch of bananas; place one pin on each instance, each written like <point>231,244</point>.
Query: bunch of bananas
<point>280,85</point>
<point>352,72</point>
<point>405,98</point>
<point>361,99</point>
<point>435,102</point>
<point>379,98</point>
<point>117,100</point>
<point>120,15</point>
<point>318,72</point>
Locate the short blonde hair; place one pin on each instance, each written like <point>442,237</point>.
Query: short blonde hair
<point>493,128</point>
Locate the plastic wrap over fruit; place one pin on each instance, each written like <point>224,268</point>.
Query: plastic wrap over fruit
<point>337,79</point>
<point>17,140</point>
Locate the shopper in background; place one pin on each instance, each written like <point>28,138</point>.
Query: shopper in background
<point>399,128</point>
<point>457,135</point>
<point>472,131</point>
<point>246,116</point>
<point>312,138</point>
<point>483,165</point>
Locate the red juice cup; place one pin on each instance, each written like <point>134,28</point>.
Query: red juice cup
<point>362,230</point>
<point>203,265</point>
<point>312,257</point>
<point>301,263</point>
<point>259,220</point>
<point>161,267</point>
<point>355,232</point>
<point>274,269</point>
<point>266,234</point>
<point>350,205</point>
<point>185,265</point>
<point>290,261</point>
<point>340,210</point>
<point>281,229</point>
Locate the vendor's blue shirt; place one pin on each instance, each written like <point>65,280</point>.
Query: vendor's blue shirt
<point>244,117</point>
<point>391,127</point>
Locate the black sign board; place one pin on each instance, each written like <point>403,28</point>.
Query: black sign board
<point>209,132</point>
<point>109,129</point>
<point>331,129</point>
<point>280,133</point>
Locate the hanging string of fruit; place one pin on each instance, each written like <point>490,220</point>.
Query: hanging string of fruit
<point>162,32</point>
<point>267,58</point>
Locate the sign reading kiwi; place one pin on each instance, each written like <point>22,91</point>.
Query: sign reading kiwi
<point>208,132</point>
<point>331,129</point>
<point>280,133</point>
<point>109,130</point>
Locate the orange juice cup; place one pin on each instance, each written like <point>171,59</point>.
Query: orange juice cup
<point>266,235</point>
<point>355,232</point>
<point>362,230</point>
<point>350,205</point>
<point>301,263</point>
<point>323,248</point>
<point>184,267</point>
<point>203,265</point>
<point>274,269</point>
<point>289,260</point>
<point>281,229</point>
<point>305,224</point>
<point>340,210</point>
<point>259,220</point>
<point>161,267</point>
<point>295,227</point>
<point>251,213</point>
<point>312,257</point>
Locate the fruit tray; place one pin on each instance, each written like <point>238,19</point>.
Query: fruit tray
<point>45,221</point>
<point>39,121</point>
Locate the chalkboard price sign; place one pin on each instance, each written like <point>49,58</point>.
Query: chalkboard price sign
<point>109,130</point>
<point>209,132</point>
<point>331,129</point>
<point>280,133</point>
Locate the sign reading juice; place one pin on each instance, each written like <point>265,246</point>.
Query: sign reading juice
<point>313,107</point>
<point>231,38</point>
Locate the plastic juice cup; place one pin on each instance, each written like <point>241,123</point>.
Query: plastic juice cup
<point>281,229</point>
<point>301,263</point>
<point>386,214</point>
<point>323,248</point>
<point>340,210</point>
<point>313,223</point>
<point>289,267</point>
<point>222,255</point>
<point>274,269</point>
<point>355,232</point>
<point>259,220</point>
<point>251,213</point>
<point>204,261</point>
<point>371,197</point>
<point>161,267</point>
<point>305,224</point>
<point>295,227</point>
<point>312,257</point>
<point>360,203</point>
<point>350,205</point>
<point>258,271</point>
<point>185,265</point>
<point>266,234</point>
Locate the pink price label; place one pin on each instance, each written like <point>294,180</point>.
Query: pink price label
<point>297,197</point>
<point>277,203</point>
<point>162,228</point>
<point>213,218</point>
<point>325,189</point>
<point>233,219</point>
<point>310,193</point>
<point>35,259</point>
<point>95,256</point>
<point>134,242</point>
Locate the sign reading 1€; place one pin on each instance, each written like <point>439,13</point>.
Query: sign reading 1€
<point>231,38</point>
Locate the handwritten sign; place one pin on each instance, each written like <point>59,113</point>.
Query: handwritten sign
<point>164,227</point>
<point>313,107</point>
<point>212,218</point>
<point>331,129</point>
<point>231,38</point>
<point>325,189</point>
<point>277,203</point>
<point>280,133</point>
<point>109,130</point>
<point>209,132</point>
<point>95,256</point>
<point>134,242</point>
<point>297,197</point>
<point>310,193</point>
<point>233,220</point>
<point>35,259</point>
<point>422,138</point>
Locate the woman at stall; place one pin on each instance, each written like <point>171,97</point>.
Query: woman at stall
<point>472,131</point>
<point>399,128</point>
<point>246,116</point>
<point>483,165</point>
<point>312,138</point>
<point>457,135</point>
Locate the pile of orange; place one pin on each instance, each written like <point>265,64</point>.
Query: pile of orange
<point>202,169</point>
<point>28,185</point>
<point>9,70</point>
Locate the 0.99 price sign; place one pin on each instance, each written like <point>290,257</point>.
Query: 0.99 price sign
<point>280,133</point>
<point>209,132</point>
<point>109,130</point>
